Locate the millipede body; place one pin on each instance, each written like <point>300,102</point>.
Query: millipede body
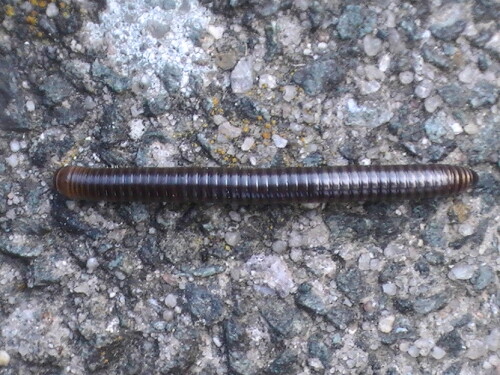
<point>266,185</point>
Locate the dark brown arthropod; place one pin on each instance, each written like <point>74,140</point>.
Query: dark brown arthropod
<point>269,185</point>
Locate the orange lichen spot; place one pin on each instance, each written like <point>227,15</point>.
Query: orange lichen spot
<point>62,5</point>
<point>227,247</point>
<point>245,128</point>
<point>266,135</point>
<point>259,118</point>
<point>234,160</point>
<point>31,20</point>
<point>215,101</point>
<point>267,125</point>
<point>274,122</point>
<point>9,11</point>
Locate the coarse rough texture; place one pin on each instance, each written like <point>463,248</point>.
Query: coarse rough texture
<point>393,287</point>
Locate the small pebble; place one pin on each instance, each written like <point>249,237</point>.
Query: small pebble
<point>247,143</point>
<point>476,350</point>
<point>242,76</point>
<point>216,31</point>
<point>389,289</point>
<point>92,264</point>
<point>168,315</point>
<point>289,92</point>
<point>15,146</point>
<point>4,358</point>
<point>279,246</point>
<point>52,10</point>
<point>30,106</point>
<point>437,353</point>
<point>406,77</point>
<point>267,80</point>
<point>386,323</point>
<point>369,87</point>
<point>413,351</point>
<point>461,272</point>
<point>229,131</point>
<point>232,238</point>
<point>424,89</point>
<point>279,142</point>
<point>371,45</point>
<point>171,301</point>
<point>432,103</point>
<point>373,73</point>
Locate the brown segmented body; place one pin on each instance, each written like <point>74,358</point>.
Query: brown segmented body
<point>266,185</point>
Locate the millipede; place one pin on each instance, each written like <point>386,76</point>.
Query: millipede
<point>262,185</point>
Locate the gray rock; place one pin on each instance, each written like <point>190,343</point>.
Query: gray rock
<point>340,317</point>
<point>209,270</point>
<point>355,22</point>
<point>319,76</point>
<point>483,277</point>
<point>437,129</point>
<point>281,317</point>
<point>483,94</point>
<point>306,299</point>
<point>403,329</point>
<point>433,55</point>
<point>390,271</point>
<point>452,343</point>
<point>284,364</point>
<point>157,106</point>
<point>171,77</point>
<point>316,348</point>
<point>55,89</point>
<point>426,305</point>
<point>453,95</point>
<point>435,258</point>
<point>113,80</point>
<point>369,115</point>
<point>24,249</point>
<point>351,283</point>
<point>204,305</point>
<point>450,32</point>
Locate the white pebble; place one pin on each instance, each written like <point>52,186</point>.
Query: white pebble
<point>4,358</point>
<point>289,93</point>
<point>432,103</point>
<point>461,272</point>
<point>216,31</point>
<point>371,45</point>
<point>386,323</point>
<point>424,89</point>
<point>476,350</point>
<point>137,129</point>
<point>413,351</point>
<point>384,62</point>
<point>229,131</point>
<point>369,87</point>
<point>457,128</point>
<point>406,77</point>
<point>92,264</point>
<point>268,81</point>
<point>242,76</point>
<point>389,289</point>
<point>247,143</point>
<point>279,142</point>
<point>170,301</point>
<point>30,106</point>
<point>437,353</point>
<point>372,73</point>
<point>15,146</point>
<point>12,160</point>
<point>232,238</point>
<point>217,341</point>
<point>469,74</point>
<point>296,255</point>
<point>279,246</point>
<point>52,10</point>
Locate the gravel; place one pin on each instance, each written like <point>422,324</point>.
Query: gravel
<point>148,288</point>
